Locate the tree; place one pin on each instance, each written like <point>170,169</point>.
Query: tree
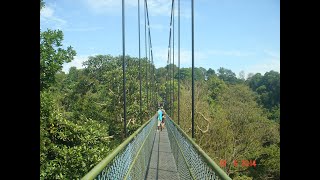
<point>41,4</point>
<point>268,87</point>
<point>216,86</point>
<point>227,75</point>
<point>275,113</point>
<point>52,56</point>
<point>242,75</point>
<point>249,76</point>
<point>255,81</point>
<point>199,73</point>
<point>271,80</point>
<point>233,126</point>
<point>69,148</point>
<point>211,72</point>
<point>185,74</point>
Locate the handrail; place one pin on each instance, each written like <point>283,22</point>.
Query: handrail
<point>99,167</point>
<point>205,157</point>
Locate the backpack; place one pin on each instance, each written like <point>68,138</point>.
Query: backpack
<point>160,113</point>
<point>163,113</point>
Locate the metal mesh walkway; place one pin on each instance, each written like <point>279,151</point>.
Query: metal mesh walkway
<point>162,164</point>
<point>148,154</point>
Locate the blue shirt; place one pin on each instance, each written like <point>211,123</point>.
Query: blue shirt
<point>159,115</point>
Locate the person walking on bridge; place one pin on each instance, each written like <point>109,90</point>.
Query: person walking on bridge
<point>159,118</point>
<point>163,118</point>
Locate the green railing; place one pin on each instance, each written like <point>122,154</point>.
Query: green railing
<point>130,159</point>
<point>192,162</point>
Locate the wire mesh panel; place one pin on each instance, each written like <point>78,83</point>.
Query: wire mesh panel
<point>182,166</point>
<point>132,161</point>
<point>190,163</point>
<point>139,167</point>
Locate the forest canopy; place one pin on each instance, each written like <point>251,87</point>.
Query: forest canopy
<point>81,111</point>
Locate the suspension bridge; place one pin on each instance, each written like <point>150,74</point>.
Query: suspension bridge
<point>151,154</point>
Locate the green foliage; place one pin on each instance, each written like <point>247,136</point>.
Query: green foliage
<point>268,87</point>
<point>81,118</point>
<point>242,75</point>
<point>185,73</point>
<point>211,72</point>
<point>81,113</point>
<point>42,5</point>
<point>243,177</point>
<point>275,114</point>
<point>216,86</point>
<point>68,149</point>
<point>52,56</point>
<point>230,125</point>
<point>227,75</point>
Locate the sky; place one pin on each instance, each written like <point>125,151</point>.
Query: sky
<point>240,35</point>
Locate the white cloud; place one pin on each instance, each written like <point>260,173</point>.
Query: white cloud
<point>84,29</point>
<point>230,53</point>
<point>47,12</point>
<point>159,27</point>
<point>103,5</point>
<point>155,7</point>
<point>161,57</point>
<point>47,16</point>
<point>271,62</point>
<point>110,6</point>
<point>159,7</point>
<point>77,62</point>
<point>273,54</point>
<point>267,65</point>
<point>153,26</point>
<point>200,57</point>
<point>163,8</point>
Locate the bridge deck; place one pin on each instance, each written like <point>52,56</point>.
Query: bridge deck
<point>162,164</point>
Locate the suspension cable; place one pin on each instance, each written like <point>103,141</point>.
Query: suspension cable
<point>149,66</point>
<point>192,27</point>
<point>124,72</point>
<point>170,82</point>
<point>169,61</point>
<point>140,115</point>
<point>150,46</point>
<point>146,46</point>
<point>168,79</point>
<point>173,62</point>
<point>178,62</point>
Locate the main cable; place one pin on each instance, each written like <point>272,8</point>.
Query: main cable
<point>124,72</point>
<point>140,109</point>
<point>178,62</point>
<point>150,44</point>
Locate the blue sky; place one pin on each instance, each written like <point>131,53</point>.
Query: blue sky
<point>241,35</point>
